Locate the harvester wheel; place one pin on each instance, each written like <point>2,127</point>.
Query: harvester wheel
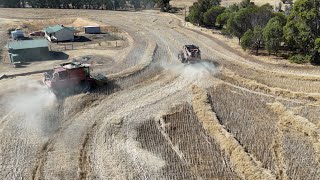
<point>85,86</point>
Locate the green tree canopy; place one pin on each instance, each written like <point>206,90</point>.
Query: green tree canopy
<point>197,10</point>
<point>273,34</point>
<point>303,27</point>
<point>252,39</point>
<point>210,16</point>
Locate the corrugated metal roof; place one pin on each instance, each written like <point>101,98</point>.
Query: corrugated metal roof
<point>28,44</point>
<point>56,28</point>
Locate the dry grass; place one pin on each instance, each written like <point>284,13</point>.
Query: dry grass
<point>247,117</point>
<point>233,78</point>
<point>299,156</point>
<point>310,112</point>
<point>300,124</point>
<point>243,163</point>
<point>285,143</point>
<point>189,151</point>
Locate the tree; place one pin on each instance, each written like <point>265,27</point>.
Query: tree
<point>11,3</point>
<point>164,5</point>
<point>303,27</point>
<point>150,3</point>
<point>210,16</point>
<point>197,10</point>
<point>194,14</point>
<point>273,34</point>
<point>252,39</point>
<point>248,18</point>
<point>246,3</point>
<point>247,40</point>
<point>239,23</point>
<point>222,19</point>
<point>136,3</point>
<point>54,4</point>
<point>317,44</point>
<point>299,35</point>
<point>108,4</point>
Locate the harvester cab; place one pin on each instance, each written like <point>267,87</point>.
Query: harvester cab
<point>69,77</point>
<point>189,54</point>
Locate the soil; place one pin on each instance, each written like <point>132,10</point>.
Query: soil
<point>230,116</point>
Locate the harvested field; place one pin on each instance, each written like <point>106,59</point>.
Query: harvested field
<point>231,116</point>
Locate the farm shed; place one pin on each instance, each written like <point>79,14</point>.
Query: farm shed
<point>60,33</point>
<point>92,29</point>
<point>28,50</point>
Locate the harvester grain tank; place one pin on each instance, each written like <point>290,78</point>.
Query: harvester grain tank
<point>189,54</point>
<point>68,78</point>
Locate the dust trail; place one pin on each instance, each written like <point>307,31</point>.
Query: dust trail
<point>34,106</point>
<point>4,120</point>
<point>199,73</point>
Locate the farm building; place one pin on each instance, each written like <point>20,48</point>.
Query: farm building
<point>28,50</point>
<point>59,33</point>
<point>92,29</point>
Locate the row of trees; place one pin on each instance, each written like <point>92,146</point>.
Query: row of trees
<point>86,4</point>
<point>296,29</point>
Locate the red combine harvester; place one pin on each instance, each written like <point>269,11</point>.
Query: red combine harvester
<point>69,78</point>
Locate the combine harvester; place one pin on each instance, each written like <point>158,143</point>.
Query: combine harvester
<point>69,78</point>
<point>190,54</point>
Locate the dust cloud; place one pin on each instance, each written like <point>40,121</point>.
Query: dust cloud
<point>34,106</point>
<point>197,73</point>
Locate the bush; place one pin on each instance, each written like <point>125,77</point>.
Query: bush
<point>300,59</point>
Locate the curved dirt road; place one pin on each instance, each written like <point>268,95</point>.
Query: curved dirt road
<point>154,123</point>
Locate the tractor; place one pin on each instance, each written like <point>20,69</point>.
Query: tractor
<point>72,77</point>
<point>189,54</point>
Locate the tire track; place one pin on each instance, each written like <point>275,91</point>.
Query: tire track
<point>37,172</point>
<point>84,159</point>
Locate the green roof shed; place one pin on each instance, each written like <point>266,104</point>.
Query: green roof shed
<point>28,50</point>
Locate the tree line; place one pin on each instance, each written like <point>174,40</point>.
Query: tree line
<point>293,29</point>
<point>86,4</point>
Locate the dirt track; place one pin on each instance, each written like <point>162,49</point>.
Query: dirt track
<point>250,119</point>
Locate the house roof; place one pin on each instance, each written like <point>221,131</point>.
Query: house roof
<point>27,44</point>
<point>56,28</point>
